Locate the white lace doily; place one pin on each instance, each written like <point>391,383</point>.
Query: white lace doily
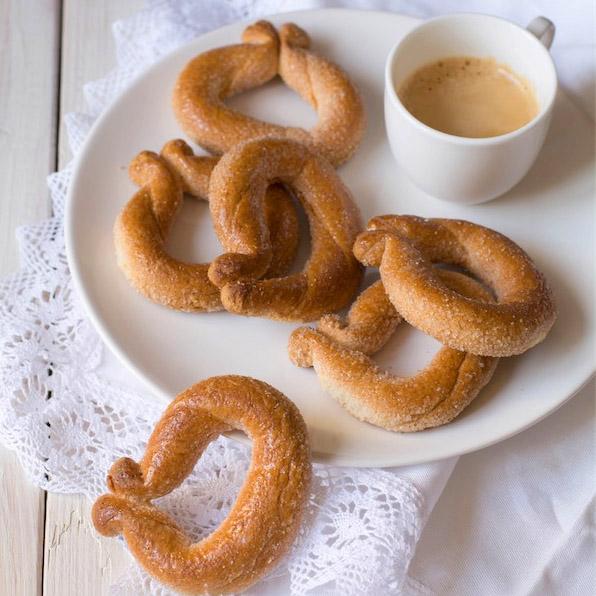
<point>68,422</point>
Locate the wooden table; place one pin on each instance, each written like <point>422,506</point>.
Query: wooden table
<point>48,50</point>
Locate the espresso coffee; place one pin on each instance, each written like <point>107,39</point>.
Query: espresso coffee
<point>469,97</point>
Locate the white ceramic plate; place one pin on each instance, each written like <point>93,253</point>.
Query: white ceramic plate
<point>549,214</point>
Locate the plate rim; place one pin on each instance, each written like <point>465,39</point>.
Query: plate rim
<point>161,393</point>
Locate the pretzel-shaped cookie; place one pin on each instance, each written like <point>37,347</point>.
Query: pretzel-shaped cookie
<point>144,223</point>
<point>404,248</point>
<point>266,516</point>
<point>432,397</point>
<point>236,190</point>
<point>213,76</point>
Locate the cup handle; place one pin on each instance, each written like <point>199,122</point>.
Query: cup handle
<point>543,29</point>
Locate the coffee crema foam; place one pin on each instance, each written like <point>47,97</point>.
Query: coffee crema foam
<point>469,97</point>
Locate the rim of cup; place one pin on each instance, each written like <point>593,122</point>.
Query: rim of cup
<point>391,90</point>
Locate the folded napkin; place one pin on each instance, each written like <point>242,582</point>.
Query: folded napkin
<point>69,409</point>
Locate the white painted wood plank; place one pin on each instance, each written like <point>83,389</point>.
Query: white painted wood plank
<point>21,533</point>
<point>87,52</point>
<point>29,45</point>
<point>28,88</point>
<point>77,560</point>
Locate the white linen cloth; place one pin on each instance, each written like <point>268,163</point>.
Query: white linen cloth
<point>65,402</point>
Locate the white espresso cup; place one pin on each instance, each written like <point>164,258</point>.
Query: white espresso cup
<point>462,169</point>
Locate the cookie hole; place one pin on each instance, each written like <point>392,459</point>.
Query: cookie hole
<point>202,502</point>
<point>407,352</point>
<point>192,238</point>
<point>449,267</point>
<point>286,109</point>
<point>304,245</point>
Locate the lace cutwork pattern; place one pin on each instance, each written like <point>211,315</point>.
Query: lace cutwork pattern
<point>68,422</point>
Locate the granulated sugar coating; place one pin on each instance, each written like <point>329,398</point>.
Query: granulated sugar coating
<point>405,248</point>
<point>213,76</point>
<point>143,225</point>
<point>266,516</point>
<point>370,323</point>
<point>432,397</point>
<point>331,276</point>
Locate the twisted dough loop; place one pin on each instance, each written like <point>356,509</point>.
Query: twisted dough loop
<point>432,397</point>
<point>404,248</point>
<point>143,226</point>
<point>370,323</point>
<point>327,88</point>
<point>266,515</point>
<point>213,76</point>
<point>331,276</point>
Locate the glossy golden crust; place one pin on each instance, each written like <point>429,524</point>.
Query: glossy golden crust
<point>432,397</point>
<point>331,276</point>
<point>266,515</point>
<point>143,225</point>
<point>213,76</point>
<point>405,247</point>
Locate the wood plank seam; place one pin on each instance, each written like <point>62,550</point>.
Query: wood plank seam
<point>55,165</point>
<point>29,71</point>
<point>78,560</point>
